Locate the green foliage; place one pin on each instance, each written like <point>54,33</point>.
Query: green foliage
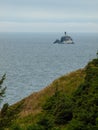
<point>58,108</point>
<point>45,121</point>
<point>15,127</point>
<point>79,111</point>
<point>4,110</point>
<point>8,114</point>
<point>76,125</point>
<point>97,54</point>
<point>85,99</point>
<point>2,89</point>
<point>35,127</point>
<point>63,110</point>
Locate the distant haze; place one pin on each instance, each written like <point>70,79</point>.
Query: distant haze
<point>48,15</point>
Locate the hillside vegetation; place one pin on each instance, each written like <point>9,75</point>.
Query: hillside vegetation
<point>69,103</point>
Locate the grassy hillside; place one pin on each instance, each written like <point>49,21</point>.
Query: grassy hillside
<point>68,103</point>
<point>67,83</point>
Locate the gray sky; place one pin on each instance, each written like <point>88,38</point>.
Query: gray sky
<point>48,15</point>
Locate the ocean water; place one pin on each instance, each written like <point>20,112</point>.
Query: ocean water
<point>31,61</point>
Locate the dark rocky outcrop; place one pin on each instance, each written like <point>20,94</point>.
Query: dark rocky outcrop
<point>64,40</point>
<point>57,41</point>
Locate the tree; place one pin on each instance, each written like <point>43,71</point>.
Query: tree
<point>97,54</point>
<point>2,89</point>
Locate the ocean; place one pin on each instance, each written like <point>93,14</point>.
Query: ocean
<point>31,61</point>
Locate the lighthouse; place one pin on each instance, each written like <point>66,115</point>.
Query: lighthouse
<point>65,33</point>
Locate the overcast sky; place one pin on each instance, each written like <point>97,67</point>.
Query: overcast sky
<point>48,15</point>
